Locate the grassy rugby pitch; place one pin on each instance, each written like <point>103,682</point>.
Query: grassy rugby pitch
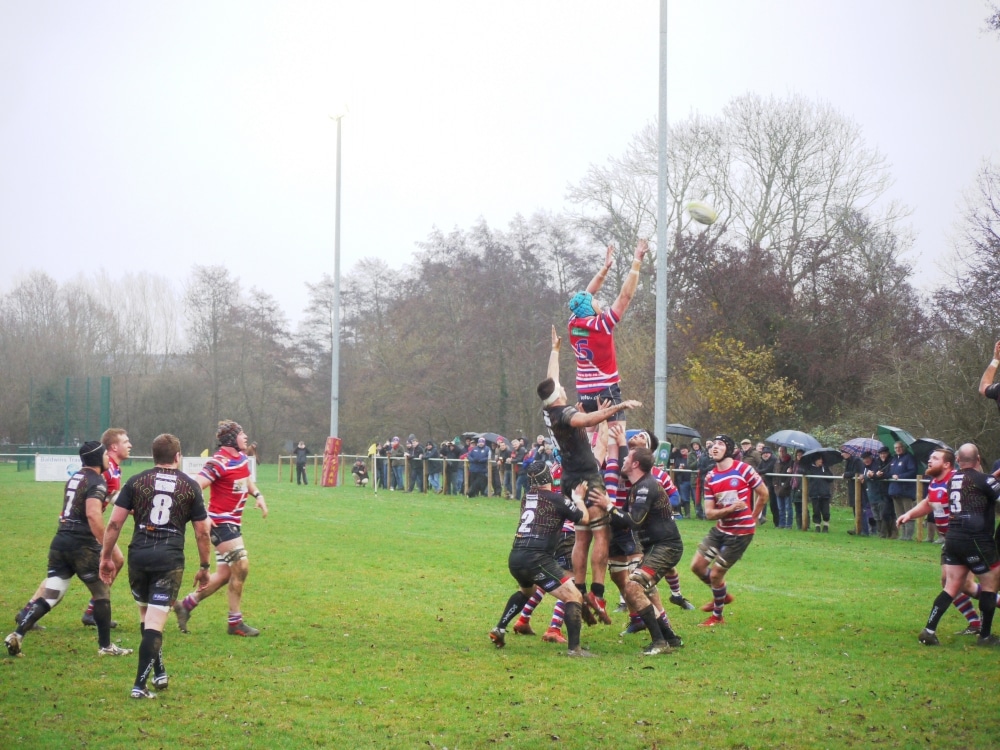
<point>374,612</point>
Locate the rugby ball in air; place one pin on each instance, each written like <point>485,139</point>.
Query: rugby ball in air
<point>701,212</point>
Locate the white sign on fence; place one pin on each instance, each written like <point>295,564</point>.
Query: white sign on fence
<point>49,468</point>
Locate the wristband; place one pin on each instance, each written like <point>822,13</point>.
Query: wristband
<point>995,362</point>
<point>256,495</point>
<point>206,566</point>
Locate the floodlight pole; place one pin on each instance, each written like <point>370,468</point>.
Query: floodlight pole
<point>660,357</point>
<point>335,333</point>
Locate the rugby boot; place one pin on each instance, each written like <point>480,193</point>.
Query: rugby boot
<point>244,630</point>
<point>656,648</point>
<point>113,650</point>
<point>988,641</point>
<point>13,643</point>
<point>554,635</point>
<point>578,653</point>
<point>138,692</point>
<point>635,625</point>
<point>971,630</point>
<point>681,602</point>
<point>711,605</point>
<point>586,613</point>
<point>928,638</point>
<point>161,681</point>
<point>498,636</point>
<point>523,627</point>
<point>600,607</point>
<point>711,622</point>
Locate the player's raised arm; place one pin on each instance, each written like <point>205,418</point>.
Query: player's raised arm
<point>624,299</point>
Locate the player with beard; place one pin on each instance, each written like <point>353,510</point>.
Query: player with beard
<point>941,468</point>
<point>531,561</point>
<point>649,514</point>
<point>162,500</point>
<point>568,427</point>
<point>75,551</point>
<point>228,474</point>
<point>969,545</point>
<point>735,496</point>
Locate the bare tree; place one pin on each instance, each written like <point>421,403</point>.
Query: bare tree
<point>210,298</point>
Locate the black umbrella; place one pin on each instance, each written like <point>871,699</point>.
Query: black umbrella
<point>922,448</point>
<point>682,430</point>
<point>830,457</point>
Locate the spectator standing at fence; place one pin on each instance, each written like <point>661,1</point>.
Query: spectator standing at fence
<point>517,466</point>
<point>750,455</point>
<point>397,463</point>
<point>783,488</point>
<point>479,460</point>
<point>452,454</point>
<point>766,468</point>
<point>705,464</point>
<point>501,469</point>
<point>683,479</point>
<point>852,468</point>
<point>591,334</point>
<point>869,496</point>
<point>414,454</point>
<point>878,474</point>
<point>432,457</point>
<point>820,493</point>
<point>903,492</point>
<point>301,454</point>
<point>796,470</point>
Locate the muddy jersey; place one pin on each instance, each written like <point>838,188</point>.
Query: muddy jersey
<point>937,496</point>
<point>577,458</point>
<point>648,514</point>
<point>738,482</point>
<point>972,498</point>
<point>542,515</point>
<point>162,501</point>
<point>230,477</point>
<point>81,486</point>
<point>593,344</point>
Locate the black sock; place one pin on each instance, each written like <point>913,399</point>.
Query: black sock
<point>648,616</point>
<point>582,588</point>
<point>987,607</point>
<point>597,589</point>
<point>941,605</point>
<point>102,616</point>
<point>514,606</point>
<point>152,642</point>
<point>574,622</point>
<point>665,628</point>
<point>34,612</point>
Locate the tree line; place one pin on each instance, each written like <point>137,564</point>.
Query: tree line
<point>796,309</point>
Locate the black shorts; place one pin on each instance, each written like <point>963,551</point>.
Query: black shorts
<point>661,559</point>
<point>564,552</point>
<point>78,555</point>
<point>155,587</point>
<point>623,544</point>
<point>724,549</point>
<point>570,481</point>
<point>225,532</point>
<point>977,554</point>
<point>589,401</point>
<point>532,567</point>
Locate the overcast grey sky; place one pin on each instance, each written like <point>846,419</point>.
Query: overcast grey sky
<point>153,136</point>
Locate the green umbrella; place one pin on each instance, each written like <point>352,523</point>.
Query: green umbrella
<point>889,435</point>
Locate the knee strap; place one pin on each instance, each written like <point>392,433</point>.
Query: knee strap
<point>58,586</point>
<point>234,555</point>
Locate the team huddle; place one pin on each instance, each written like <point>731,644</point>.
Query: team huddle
<point>162,501</point>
